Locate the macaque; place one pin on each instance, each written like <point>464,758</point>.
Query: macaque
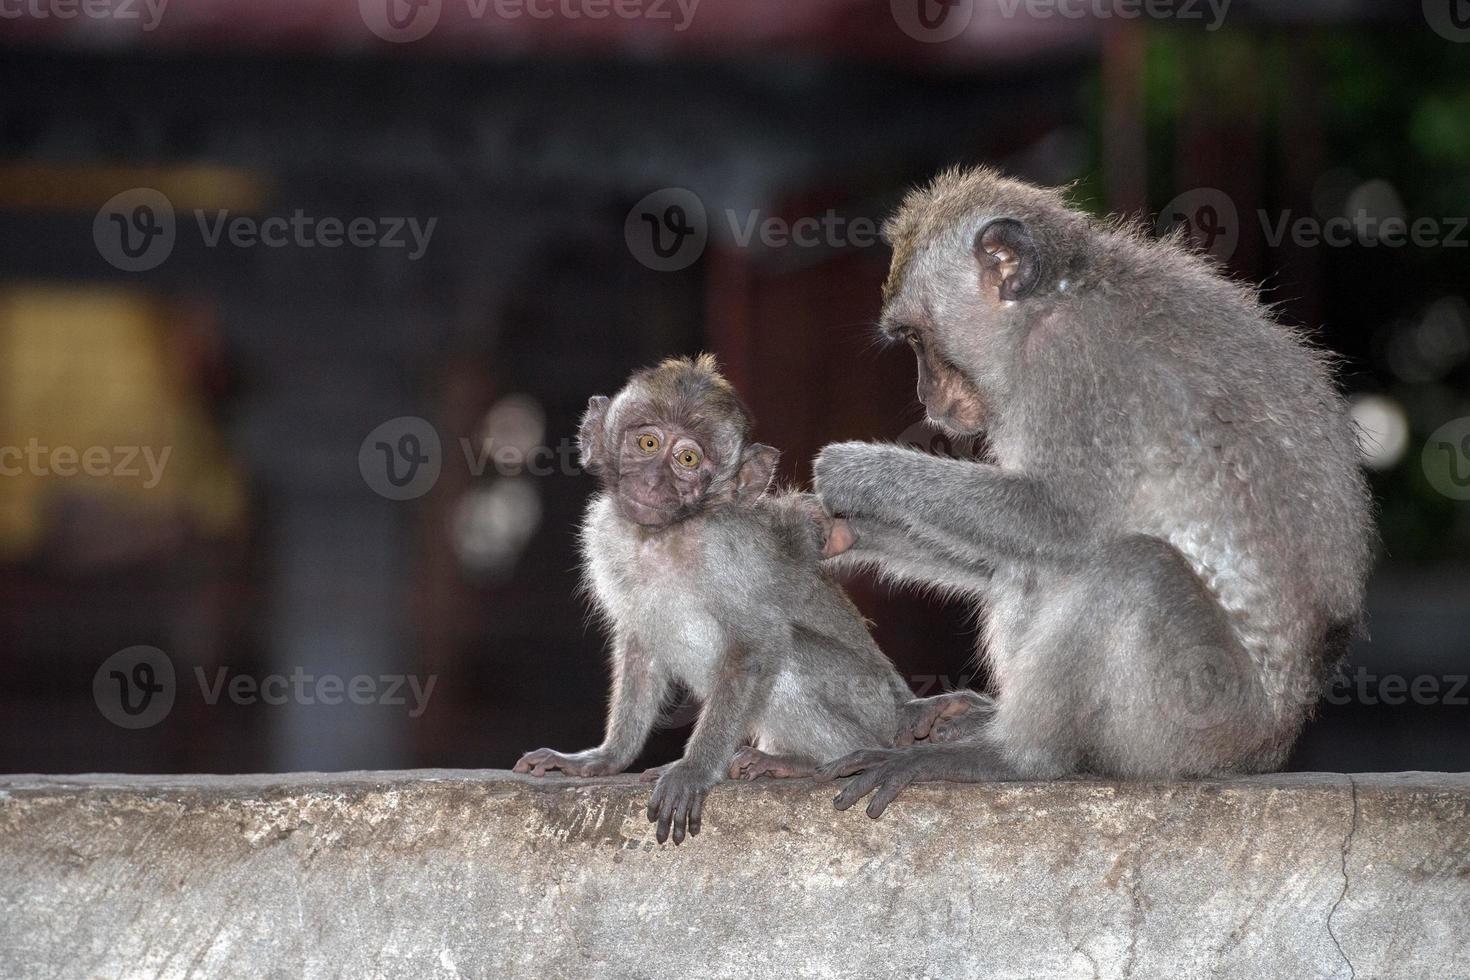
<point>1170,544</point>
<point>707,581</point>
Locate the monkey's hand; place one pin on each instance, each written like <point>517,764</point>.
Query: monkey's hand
<point>886,770</point>
<point>677,803</point>
<point>849,476</point>
<point>592,762</point>
<point>952,717</point>
<point>830,534</point>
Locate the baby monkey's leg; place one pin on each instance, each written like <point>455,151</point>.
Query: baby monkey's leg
<point>750,763</point>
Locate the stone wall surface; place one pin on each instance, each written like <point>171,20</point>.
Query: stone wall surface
<point>488,874</point>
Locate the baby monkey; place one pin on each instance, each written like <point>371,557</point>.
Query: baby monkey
<point>707,581</point>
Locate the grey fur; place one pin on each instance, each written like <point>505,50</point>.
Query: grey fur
<point>729,601</point>
<point>1171,544</point>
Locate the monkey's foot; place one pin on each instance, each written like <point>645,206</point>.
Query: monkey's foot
<point>958,716</point>
<point>750,762</point>
<point>677,803</point>
<point>589,763</point>
<point>651,775</point>
<point>885,772</point>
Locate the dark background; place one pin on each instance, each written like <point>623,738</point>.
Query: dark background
<point>265,550</point>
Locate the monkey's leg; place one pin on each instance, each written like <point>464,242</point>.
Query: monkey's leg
<point>741,690</point>
<point>1131,669</point>
<point>750,763</point>
<point>1176,692</point>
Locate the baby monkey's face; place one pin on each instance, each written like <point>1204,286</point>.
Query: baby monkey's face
<point>664,472</point>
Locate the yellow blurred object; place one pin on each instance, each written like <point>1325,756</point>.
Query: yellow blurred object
<point>93,402</point>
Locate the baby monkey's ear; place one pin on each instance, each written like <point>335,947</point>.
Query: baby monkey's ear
<point>757,470</point>
<point>592,436</point>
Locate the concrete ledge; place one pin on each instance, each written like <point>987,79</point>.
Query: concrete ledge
<point>440,873</point>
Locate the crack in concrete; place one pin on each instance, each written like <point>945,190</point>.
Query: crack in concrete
<point>1347,845</point>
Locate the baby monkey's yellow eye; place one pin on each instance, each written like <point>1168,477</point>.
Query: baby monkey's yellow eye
<point>648,443</point>
<point>687,458</point>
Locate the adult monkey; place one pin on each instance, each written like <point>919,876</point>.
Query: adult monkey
<point>1174,526</point>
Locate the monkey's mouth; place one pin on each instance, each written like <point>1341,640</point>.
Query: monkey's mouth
<point>646,514</point>
<point>962,425</point>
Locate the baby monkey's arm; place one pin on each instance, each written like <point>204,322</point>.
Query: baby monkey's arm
<point>638,690</point>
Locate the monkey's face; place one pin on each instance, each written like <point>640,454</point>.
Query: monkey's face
<point>664,472</point>
<point>957,302</point>
<point>951,400</point>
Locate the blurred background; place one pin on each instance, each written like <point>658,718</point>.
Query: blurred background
<point>300,301</point>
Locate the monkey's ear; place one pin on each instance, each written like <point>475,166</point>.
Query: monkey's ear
<point>592,435</point>
<point>1010,262</point>
<point>757,470</point>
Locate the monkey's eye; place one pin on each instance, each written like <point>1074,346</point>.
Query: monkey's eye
<point>648,444</point>
<point>912,339</point>
<point>687,458</point>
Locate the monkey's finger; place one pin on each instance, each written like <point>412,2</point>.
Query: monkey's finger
<point>696,815</point>
<point>851,763</point>
<point>527,761</point>
<point>840,538</point>
<point>680,820</point>
<point>860,786</point>
<point>887,793</point>
<point>664,817</point>
<point>924,721</point>
<point>655,803</point>
<point>954,707</point>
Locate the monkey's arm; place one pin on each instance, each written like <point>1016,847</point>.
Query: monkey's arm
<point>910,556</point>
<point>735,701</point>
<point>1003,513</point>
<point>638,690</point>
